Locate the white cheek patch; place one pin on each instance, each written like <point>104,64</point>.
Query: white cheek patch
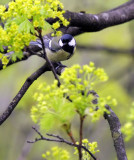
<point>72,42</point>
<point>60,43</point>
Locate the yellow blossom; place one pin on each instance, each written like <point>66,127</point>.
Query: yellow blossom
<point>56,25</point>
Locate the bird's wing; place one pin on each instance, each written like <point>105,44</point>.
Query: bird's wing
<point>54,44</point>
<point>39,44</point>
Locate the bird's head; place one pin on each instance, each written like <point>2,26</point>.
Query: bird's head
<point>68,43</point>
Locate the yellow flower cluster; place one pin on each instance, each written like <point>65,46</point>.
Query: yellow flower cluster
<point>21,19</point>
<point>89,73</point>
<point>77,82</point>
<point>56,153</point>
<point>128,130</point>
<point>92,147</point>
<point>4,59</point>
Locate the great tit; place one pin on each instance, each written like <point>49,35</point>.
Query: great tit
<point>58,48</point>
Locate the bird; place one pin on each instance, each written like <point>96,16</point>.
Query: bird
<point>58,48</point>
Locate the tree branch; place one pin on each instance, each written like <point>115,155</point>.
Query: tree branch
<point>21,92</point>
<point>60,140</point>
<point>115,126</point>
<point>58,68</point>
<point>82,22</point>
<point>96,22</point>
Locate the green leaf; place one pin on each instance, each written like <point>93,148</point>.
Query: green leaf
<point>26,27</point>
<point>1,55</point>
<point>13,57</point>
<point>17,55</point>
<point>18,20</point>
<point>43,12</point>
<point>47,122</point>
<point>1,47</point>
<point>47,26</point>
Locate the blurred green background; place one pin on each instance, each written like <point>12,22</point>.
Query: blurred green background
<point>17,128</point>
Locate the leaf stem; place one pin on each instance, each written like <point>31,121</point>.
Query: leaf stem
<point>81,137</point>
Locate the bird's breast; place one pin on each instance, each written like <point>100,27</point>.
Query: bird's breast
<point>57,56</point>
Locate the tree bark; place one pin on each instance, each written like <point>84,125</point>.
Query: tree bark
<point>117,137</point>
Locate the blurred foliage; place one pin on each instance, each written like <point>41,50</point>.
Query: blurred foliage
<point>116,90</point>
<point>56,153</point>
<point>128,128</point>
<point>17,129</point>
<point>108,37</point>
<point>4,1</point>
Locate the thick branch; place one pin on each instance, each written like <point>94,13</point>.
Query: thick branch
<point>115,126</point>
<point>96,22</point>
<point>82,22</point>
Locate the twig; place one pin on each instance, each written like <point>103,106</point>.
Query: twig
<point>115,126</point>
<point>47,60</point>
<point>71,136</point>
<point>60,140</point>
